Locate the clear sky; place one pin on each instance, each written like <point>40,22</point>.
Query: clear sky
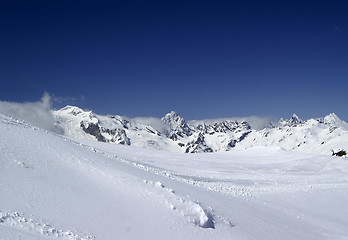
<point>203,59</point>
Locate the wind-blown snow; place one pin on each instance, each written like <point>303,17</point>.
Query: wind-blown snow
<point>37,113</point>
<point>55,187</point>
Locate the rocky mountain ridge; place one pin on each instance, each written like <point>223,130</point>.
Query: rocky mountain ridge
<point>174,133</point>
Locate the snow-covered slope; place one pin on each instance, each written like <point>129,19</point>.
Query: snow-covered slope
<point>320,136</point>
<point>175,134</point>
<point>54,187</point>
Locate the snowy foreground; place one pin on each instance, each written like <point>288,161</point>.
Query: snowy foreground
<point>53,187</point>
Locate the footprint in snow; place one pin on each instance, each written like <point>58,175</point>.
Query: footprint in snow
<point>192,210</point>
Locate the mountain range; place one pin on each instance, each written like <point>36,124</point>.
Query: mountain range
<point>173,133</point>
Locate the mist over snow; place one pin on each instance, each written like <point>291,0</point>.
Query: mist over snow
<point>37,113</point>
<point>156,123</point>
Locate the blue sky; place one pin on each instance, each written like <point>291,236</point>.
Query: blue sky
<point>203,59</point>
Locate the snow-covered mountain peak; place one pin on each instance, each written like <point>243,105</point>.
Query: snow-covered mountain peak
<point>333,120</point>
<point>173,118</point>
<point>73,110</point>
<point>177,124</point>
<point>295,118</point>
<point>171,114</point>
<point>293,121</point>
<point>77,114</point>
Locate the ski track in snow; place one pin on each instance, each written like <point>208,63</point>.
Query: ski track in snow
<point>17,220</point>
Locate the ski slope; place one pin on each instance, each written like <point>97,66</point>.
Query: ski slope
<point>55,187</point>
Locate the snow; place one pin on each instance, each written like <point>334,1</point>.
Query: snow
<point>255,122</point>
<point>58,187</point>
<point>319,136</point>
<point>175,134</point>
<point>138,130</point>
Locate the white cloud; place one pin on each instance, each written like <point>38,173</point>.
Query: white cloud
<point>36,113</point>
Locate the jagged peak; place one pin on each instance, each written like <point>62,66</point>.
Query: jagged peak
<point>174,119</point>
<point>171,115</point>
<point>294,116</point>
<point>177,124</point>
<point>293,121</point>
<point>226,125</point>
